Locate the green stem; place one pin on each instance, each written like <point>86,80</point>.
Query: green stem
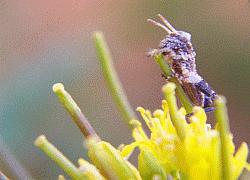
<point>169,92</point>
<point>224,131</point>
<point>112,79</point>
<point>179,91</point>
<point>57,156</point>
<point>75,112</point>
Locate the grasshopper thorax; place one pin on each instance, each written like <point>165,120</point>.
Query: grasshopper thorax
<point>177,45</point>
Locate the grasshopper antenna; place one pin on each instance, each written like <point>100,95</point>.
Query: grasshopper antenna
<point>159,25</point>
<point>165,21</point>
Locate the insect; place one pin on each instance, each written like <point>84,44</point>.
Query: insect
<point>178,51</point>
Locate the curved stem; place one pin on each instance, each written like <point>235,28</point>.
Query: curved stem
<point>169,92</point>
<point>112,79</point>
<point>179,91</point>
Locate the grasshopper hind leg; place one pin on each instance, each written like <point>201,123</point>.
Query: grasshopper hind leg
<point>209,109</point>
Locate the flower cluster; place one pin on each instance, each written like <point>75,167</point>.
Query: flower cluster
<point>176,148</point>
<point>197,155</point>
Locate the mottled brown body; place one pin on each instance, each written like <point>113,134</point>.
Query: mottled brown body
<point>180,55</point>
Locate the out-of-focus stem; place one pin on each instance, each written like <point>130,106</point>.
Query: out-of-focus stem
<point>112,79</point>
<point>3,177</point>
<point>224,130</point>
<point>16,168</point>
<point>179,91</point>
<point>75,112</point>
<point>57,156</point>
<point>169,92</point>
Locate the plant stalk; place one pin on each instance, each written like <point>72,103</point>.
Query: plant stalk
<point>75,112</point>
<point>57,156</point>
<point>112,78</point>
<point>169,92</point>
<point>179,91</point>
<point>224,131</point>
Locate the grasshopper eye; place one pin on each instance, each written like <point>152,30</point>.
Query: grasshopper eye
<point>184,35</point>
<point>188,36</point>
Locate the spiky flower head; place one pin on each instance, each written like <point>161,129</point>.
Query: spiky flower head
<point>194,153</point>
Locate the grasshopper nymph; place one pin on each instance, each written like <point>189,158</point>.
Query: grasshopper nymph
<point>178,51</point>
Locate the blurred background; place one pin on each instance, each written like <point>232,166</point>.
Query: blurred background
<point>43,42</point>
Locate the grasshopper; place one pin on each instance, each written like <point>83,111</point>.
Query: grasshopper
<point>178,51</point>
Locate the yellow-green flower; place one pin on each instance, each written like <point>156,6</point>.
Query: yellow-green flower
<point>197,155</point>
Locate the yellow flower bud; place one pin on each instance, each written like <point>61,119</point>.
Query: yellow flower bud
<point>110,162</point>
<point>89,171</point>
<point>149,166</point>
